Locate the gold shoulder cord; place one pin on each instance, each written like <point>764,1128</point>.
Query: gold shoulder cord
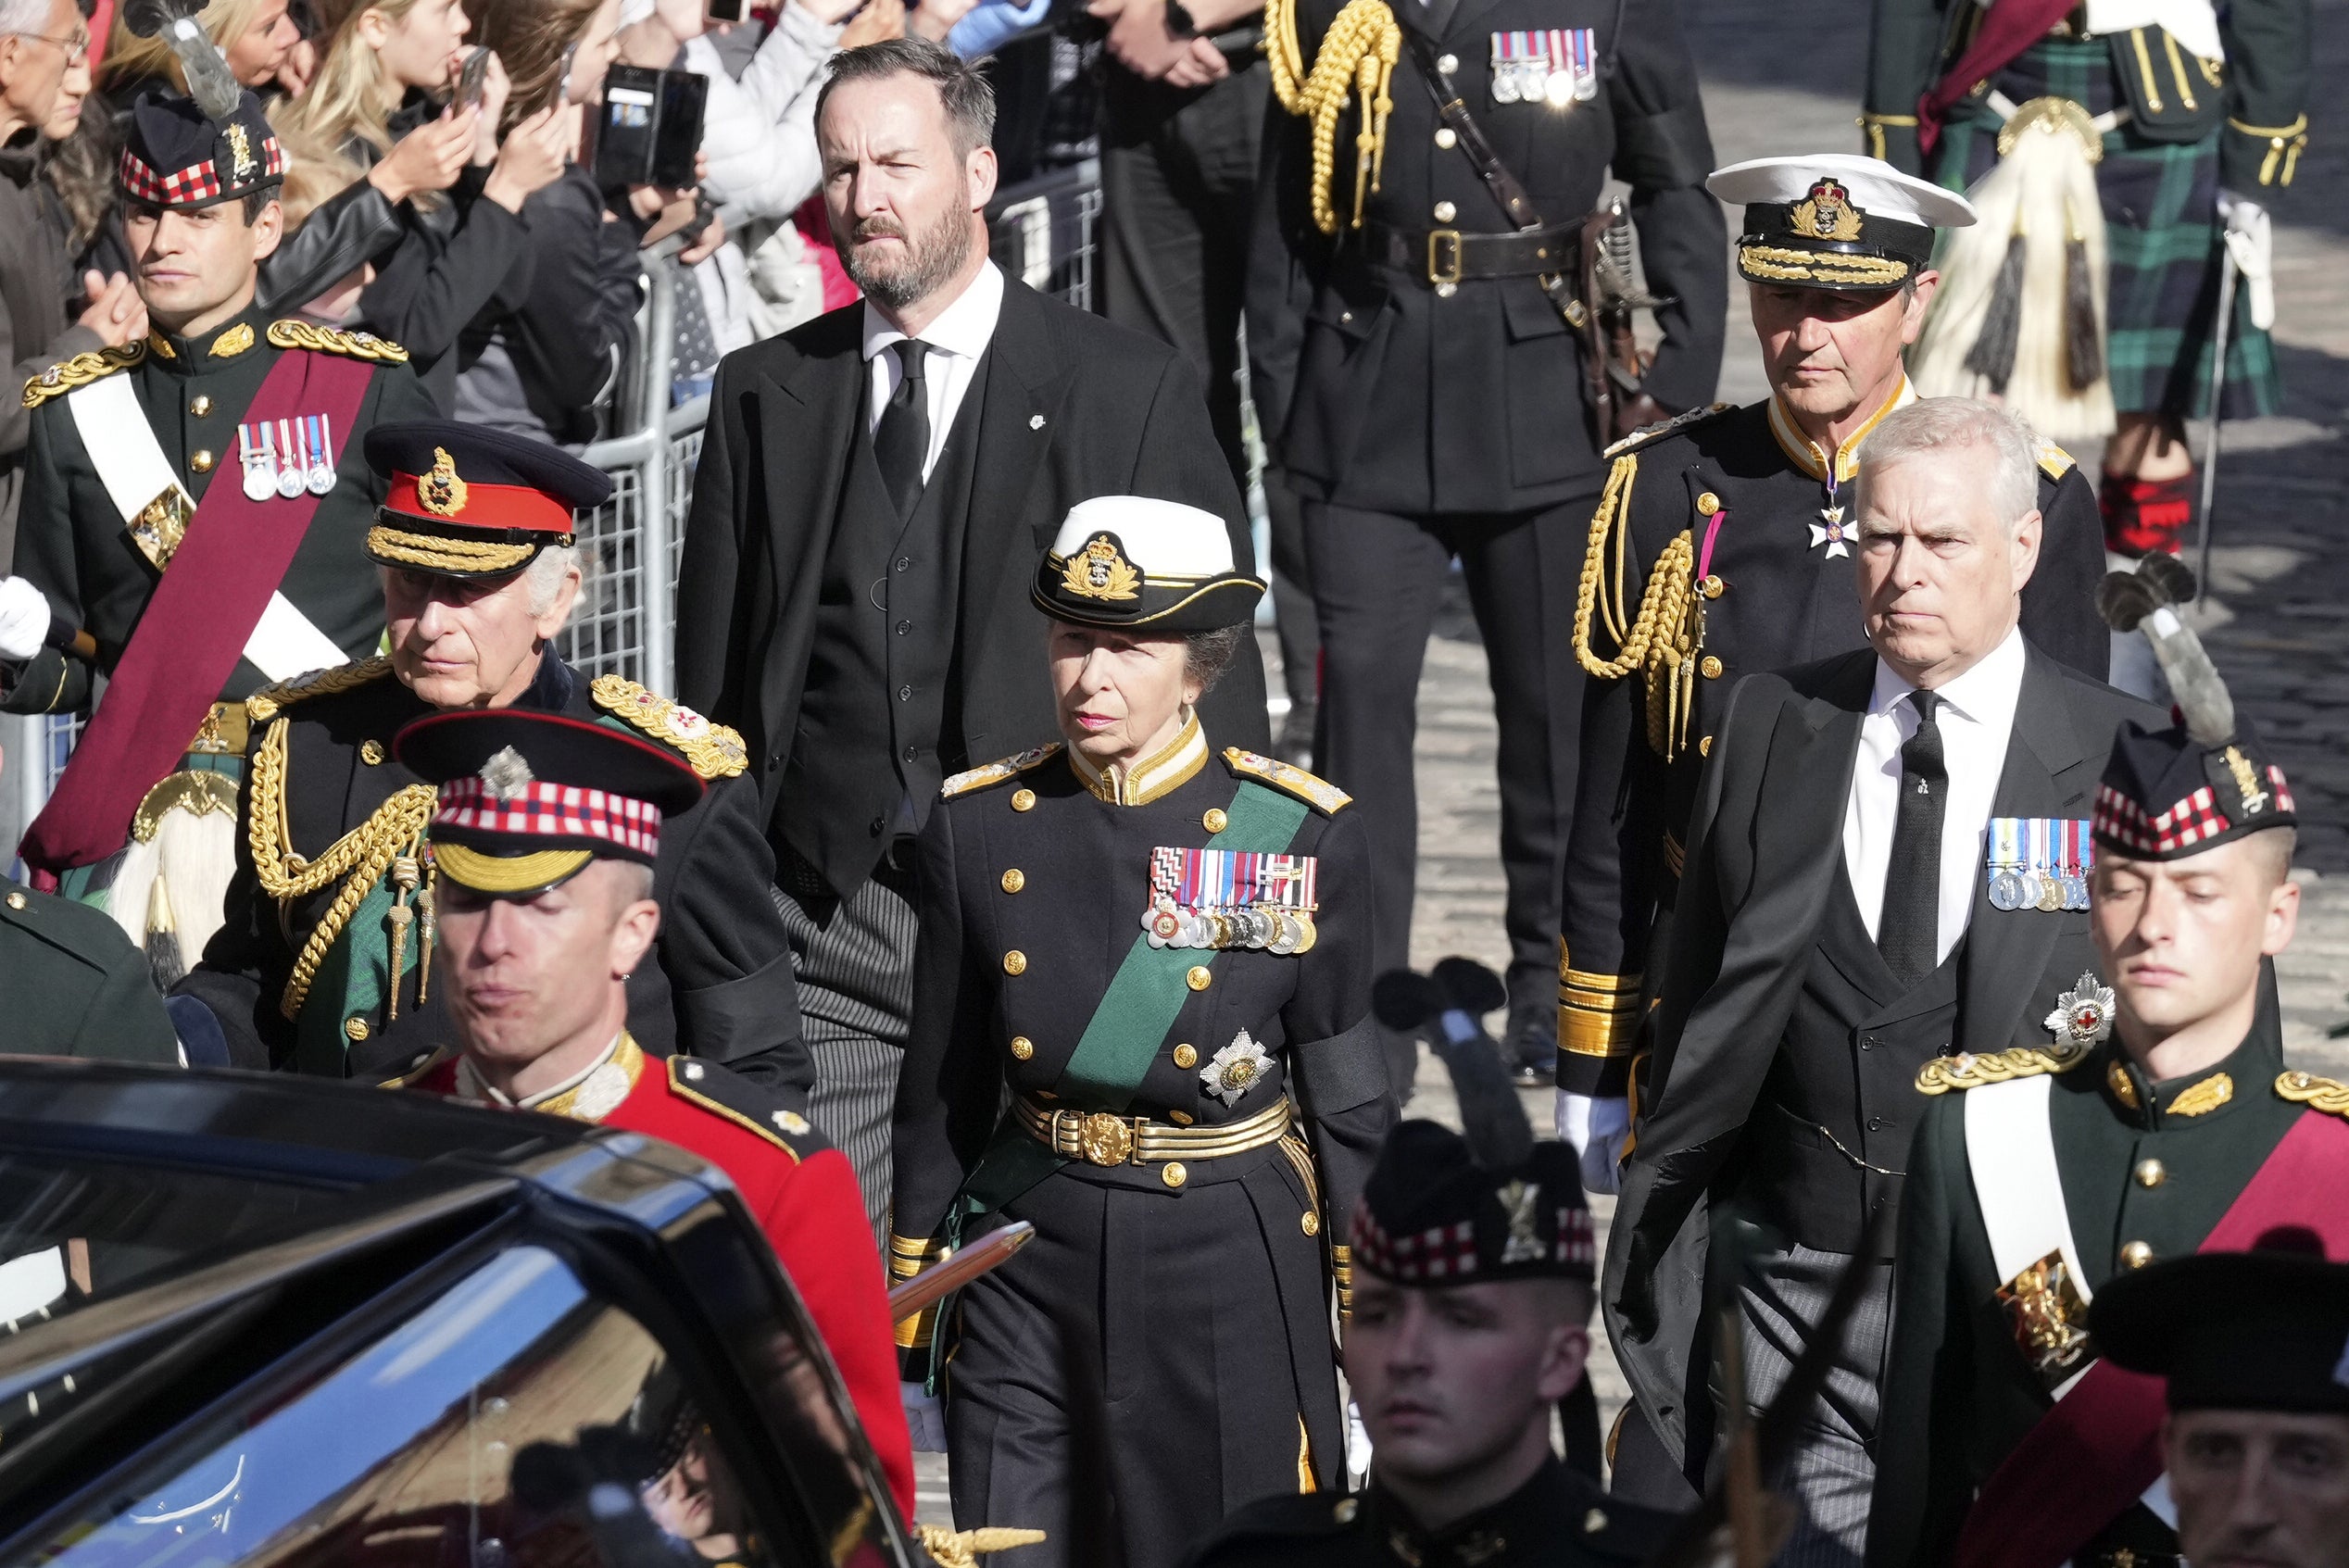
<point>395,831</point>
<point>1662,642</point>
<point>1358,55</point>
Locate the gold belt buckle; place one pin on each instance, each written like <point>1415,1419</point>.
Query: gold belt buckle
<point>1105,1139</point>
<point>1440,268</point>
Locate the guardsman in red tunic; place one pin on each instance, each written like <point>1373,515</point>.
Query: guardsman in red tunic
<point>543,837</point>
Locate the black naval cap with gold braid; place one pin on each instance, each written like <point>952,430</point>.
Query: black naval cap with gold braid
<point>466,501</point>
<point>2263,1330</point>
<point>527,800</point>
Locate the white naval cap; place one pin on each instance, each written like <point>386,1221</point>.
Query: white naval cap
<point>1873,186</point>
<point>1136,560</point>
<point>1835,220</point>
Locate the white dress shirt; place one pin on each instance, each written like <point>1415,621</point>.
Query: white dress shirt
<point>956,340</point>
<point>1976,719</point>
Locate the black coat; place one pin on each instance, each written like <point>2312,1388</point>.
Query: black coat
<point>71,985</point>
<point>1771,599</point>
<point>1075,408</point>
<point>1385,396</point>
<point>1765,855</point>
<point>718,982</point>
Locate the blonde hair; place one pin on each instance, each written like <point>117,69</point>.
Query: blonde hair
<point>130,58</point>
<point>352,96</point>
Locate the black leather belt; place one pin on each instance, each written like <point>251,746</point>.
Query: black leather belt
<point>1447,256</point>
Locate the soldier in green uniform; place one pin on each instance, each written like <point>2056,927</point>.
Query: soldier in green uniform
<point>1471,1319</point>
<point>1723,548</point>
<point>186,594</point>
<point>2160,1119</point>
<point>476,571</point>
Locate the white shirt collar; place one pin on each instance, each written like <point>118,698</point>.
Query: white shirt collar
<point>474,1085</point>
<point>963,329</point>
<point>1985,695</point>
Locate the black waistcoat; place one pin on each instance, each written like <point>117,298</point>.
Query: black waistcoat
<point>879,729</point>
<point>1846,1074</point>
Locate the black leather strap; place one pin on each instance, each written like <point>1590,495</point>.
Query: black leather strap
<point>1452,110</point>
<point>1447,256</point>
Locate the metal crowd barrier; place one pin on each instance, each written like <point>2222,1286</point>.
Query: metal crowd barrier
<point>1042,231</point>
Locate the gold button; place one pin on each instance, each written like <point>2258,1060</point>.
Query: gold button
<point>1712,668</point>
<point>1704,746</point>
<point>1445,139</point>
<point>1172,1173</point>
<point>370,752</point>
<point>1015,962</point>
<point>200,406</point>
<point>2151,1173</point>
<point>1021,1047</point>
<point>2136,1255</point>
<point>1185,1055</point>
<point>357,1028</point>
<point>1310,1223</point>
<point>1215,820</point>
<point>1178,1118</point>
<point>1023,799</point>
<point>1199,979</point>
<point>1708,503</point>
<point>1712,585</point>
<point>1014,879</point>
<point>1446,212</point>
<point>16,901</point>
<point>200,460</point>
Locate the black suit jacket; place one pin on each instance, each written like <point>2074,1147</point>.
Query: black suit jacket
<point>1765,855</point>
<point>1073,407</point>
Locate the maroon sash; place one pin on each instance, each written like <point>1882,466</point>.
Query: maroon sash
<point>192,633</point>
<point>2099,1448</point>
<point>2008,28</point>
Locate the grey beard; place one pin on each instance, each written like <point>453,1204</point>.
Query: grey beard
<point>938,254</point>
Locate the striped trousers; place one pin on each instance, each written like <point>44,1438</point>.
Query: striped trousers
<point>853,961</point>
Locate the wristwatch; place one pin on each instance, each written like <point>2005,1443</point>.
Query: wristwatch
<point>1178,20</point>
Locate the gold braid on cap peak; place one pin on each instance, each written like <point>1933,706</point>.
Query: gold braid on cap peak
<point>1663,640</point>
<point>1358,55</point>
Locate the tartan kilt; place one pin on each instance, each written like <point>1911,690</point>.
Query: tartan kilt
<point>2162,240</point>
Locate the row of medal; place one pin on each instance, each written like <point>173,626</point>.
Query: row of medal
<point>2039,863</point>
<point>287,456</point>
<point>1556,66</point>
<point>1218,898</point>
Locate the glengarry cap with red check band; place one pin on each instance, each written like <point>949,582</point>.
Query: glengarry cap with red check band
<point>176,156</point>
<point>464,501</point>
<point>1432,1214</point>
<point>527,800</point>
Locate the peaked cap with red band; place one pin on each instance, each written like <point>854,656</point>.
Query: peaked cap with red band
<point>528,798</point>
<point>464,501</point>
<point>174,154</point>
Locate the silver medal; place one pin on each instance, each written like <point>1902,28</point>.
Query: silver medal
<point>2006,891</point>
<point>1286,932</point>
<point>322,478</point>
<point>1505,83</point>
<point>259,482</point>
<point>1559,89</point>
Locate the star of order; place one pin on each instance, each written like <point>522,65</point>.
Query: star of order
<point>1830,530</point>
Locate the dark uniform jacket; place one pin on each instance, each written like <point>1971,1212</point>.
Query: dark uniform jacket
<point>1069,408</point>
<point>1408,400</point>
<point>71,543</point>
<point>35,330</point>
<point>1716,517</point>
<point>2261,97</point>
<point>2147,1169</point>
<point>718,983</point>
<point>1781,1064</point>
<point>71,985</point>
<point>1556,1520</point>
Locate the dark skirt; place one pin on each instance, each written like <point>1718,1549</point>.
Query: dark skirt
<point>2162,241</point>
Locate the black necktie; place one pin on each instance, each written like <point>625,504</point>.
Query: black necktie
<point>1908,932</point>
<point>901,443</point>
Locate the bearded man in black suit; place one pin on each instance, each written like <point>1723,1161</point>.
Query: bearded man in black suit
<point>1849,913</point>
<point>874,488</point>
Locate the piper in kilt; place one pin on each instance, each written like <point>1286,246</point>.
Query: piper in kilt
<point>2116,152</point>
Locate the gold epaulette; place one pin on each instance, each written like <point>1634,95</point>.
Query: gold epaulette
<point>996,772</point>
<point>69,375</point>
<point>1289,778</point>
<point>2328,1095</point>
<point>292,333</point>
<point>265,703</point>
<point>1965,1071</point>
<point>715,751</point>
<point>1647,433</point>
<point>2053,461</point>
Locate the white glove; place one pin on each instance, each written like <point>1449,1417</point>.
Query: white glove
<point>24,618</point>
<point>925,1418</point>
<point>1357,1441</point>
<point>2251,237</point>
<point>1598,1129</point>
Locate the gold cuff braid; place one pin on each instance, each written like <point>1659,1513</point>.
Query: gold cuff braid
<point>1597,1014</point>
<point>1341,1274</point>
<point>907,1257</point>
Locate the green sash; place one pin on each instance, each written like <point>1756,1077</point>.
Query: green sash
<point>351,985</point>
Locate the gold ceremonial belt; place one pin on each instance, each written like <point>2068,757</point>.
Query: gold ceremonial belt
<point>1098,1138</point>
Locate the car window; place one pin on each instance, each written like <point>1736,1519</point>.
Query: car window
<point>516,1421</point>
